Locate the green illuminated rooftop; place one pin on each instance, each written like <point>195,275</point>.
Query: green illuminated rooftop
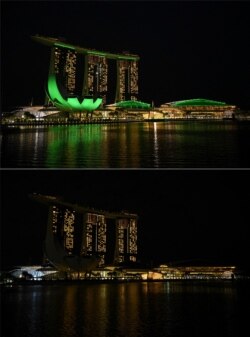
<point>197,102</point>
<point>132,105</point>
<point>49,41</point>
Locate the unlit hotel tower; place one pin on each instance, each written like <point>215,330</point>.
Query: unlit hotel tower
<point>78,231</point>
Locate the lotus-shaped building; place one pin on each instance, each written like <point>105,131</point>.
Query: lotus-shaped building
<point>70,103</point>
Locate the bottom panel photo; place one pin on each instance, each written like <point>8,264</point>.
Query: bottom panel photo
<point>124,253</point>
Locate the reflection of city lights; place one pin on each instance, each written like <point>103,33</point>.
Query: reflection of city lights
<point>156,146</point>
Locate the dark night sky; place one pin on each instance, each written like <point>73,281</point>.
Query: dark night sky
<point>182,214</point>
<point>200,49</point>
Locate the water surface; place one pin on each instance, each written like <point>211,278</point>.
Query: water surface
<point>127,310</point>
<point>173,144</point>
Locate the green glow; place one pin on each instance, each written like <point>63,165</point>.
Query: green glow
<point>70,103</point>
<point>78,141</point>
<point>98,53</point>
<point>64,45</point>
<point>197,102</point>
<point>48,41</point>
<point>54,93</point>
<point>133,105</point>
<point>87,103</point>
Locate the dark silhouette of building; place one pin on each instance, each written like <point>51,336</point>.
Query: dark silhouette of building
<point>80,238</point>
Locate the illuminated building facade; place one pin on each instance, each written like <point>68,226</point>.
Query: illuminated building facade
<point>126,240</point>
<point>96,76</point>
<point>64,64</point>
<point>127,80</point>
<point>198,108</point>
<point>75,232</point>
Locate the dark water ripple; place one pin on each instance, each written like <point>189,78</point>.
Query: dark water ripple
<point>167,309</point>
<point>181,144</point>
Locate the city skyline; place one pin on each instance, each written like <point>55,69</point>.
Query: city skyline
<point>182,215</point>
<point>186,49</point>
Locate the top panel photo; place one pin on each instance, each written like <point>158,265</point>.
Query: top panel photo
<point>143,85</point>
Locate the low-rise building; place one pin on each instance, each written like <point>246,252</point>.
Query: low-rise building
<point>198,108</point>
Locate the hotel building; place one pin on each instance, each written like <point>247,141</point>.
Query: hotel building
<point>86,72</point>
<point>80,238</point>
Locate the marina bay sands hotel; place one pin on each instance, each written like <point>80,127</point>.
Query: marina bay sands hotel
<point>81,238</point>
<point>86,72</point>
<point>87,82</point>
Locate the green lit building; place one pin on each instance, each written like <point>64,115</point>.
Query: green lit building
<point>186,109</point>
<point>76,73</point>
<point>198,108</point>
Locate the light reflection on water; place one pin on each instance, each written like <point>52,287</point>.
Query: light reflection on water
<point>128,309</point>
<point>130,145</point>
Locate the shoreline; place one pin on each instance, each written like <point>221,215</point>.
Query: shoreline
<point>96,122</point>
<point>118,281</point>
